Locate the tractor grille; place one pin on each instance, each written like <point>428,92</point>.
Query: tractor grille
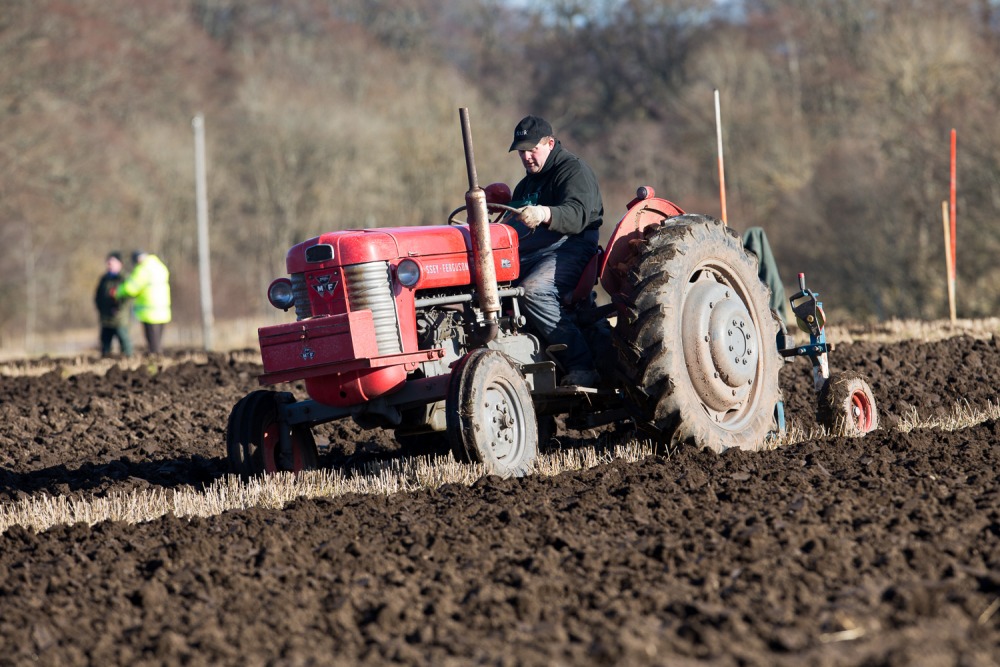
<point>303,309</point>
<point>369,287</point>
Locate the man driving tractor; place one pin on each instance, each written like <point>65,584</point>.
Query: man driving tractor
<point>560,214</point>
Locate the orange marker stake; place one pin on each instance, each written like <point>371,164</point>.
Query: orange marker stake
<point>722,169</point>
<point>949,259</point>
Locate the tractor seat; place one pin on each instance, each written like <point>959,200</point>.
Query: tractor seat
<point>588,279</point>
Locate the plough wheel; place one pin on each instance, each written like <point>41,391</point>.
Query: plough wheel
<point>847,405</point>
<point>253,439</point>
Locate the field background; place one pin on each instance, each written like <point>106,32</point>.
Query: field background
<point>330,114</point>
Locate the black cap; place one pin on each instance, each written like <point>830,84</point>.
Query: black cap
<point>136,254</point>
<point>115,254</point>
<point>529,132</point>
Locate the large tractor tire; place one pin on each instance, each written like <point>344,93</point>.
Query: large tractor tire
<point>253,439</point>
<point>697,344</point>
<point>846,405</point>
<point>491,418</point>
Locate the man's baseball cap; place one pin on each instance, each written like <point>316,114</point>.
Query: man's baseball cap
<point>529,132</point>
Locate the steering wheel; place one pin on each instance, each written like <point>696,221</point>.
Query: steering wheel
<point>502,208</point>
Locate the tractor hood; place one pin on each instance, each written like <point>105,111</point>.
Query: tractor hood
<point>345,248</point>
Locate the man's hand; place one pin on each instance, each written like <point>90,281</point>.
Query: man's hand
<point>532,216</point>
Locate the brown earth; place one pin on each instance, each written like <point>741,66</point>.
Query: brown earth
<point>879,551</point>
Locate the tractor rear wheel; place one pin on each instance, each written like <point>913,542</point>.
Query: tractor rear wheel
<point>491,418</point>
<point>697,344</point>
<point>846,405</point>
<point>253,439</point>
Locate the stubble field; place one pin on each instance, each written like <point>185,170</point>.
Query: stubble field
<point>826,551</point>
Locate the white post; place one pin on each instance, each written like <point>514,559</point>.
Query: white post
<point>31,290</point>
<point>201,192</point>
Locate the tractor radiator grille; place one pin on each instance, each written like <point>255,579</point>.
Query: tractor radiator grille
<point>303,309</point>
<point>370,288</point>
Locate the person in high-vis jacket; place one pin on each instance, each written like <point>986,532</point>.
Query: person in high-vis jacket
<point>149,285</point>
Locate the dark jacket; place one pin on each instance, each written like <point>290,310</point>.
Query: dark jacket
<point>113,313</point>
<point>569,188</point>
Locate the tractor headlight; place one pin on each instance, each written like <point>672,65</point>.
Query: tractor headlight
<point>280,294</point>
<point>408,273</point>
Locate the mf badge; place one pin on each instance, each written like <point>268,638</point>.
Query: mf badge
<point>325,286</point>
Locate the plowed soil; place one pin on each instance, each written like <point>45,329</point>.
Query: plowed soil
<point>878,551</point>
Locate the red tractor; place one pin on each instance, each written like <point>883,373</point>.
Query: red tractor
<point>418,330</point>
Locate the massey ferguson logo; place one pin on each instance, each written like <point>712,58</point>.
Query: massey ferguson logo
<point>324,286</point>
<point>307,354</point>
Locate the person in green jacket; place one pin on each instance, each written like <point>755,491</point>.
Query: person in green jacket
<point>112,313</point>
<point>149,285</point>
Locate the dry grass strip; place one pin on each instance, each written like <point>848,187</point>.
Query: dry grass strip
<point>41,512</point>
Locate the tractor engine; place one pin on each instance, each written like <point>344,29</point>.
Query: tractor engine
<point>357,295</point>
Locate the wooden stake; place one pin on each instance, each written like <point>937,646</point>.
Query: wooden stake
<point>201,206</point>
<point>953,213</point>
<point>949,259</point>
<point>722,169</point>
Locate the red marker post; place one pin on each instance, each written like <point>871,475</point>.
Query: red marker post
<point>948,261</point>
<point>722,169</point>
<point>949,211</point>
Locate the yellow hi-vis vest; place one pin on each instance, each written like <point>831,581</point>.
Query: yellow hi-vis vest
<point>149,285</point>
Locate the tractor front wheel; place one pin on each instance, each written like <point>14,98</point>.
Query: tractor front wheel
<point>253,439</point>
<point>491,418</point>
<point>846,405</point>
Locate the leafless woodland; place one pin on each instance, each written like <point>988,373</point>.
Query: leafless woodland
<point>343,113</point>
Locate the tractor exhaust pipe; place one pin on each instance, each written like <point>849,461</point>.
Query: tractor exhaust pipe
<point>484,271</point>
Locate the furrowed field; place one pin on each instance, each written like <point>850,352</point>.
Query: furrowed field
<point>823,551</point>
